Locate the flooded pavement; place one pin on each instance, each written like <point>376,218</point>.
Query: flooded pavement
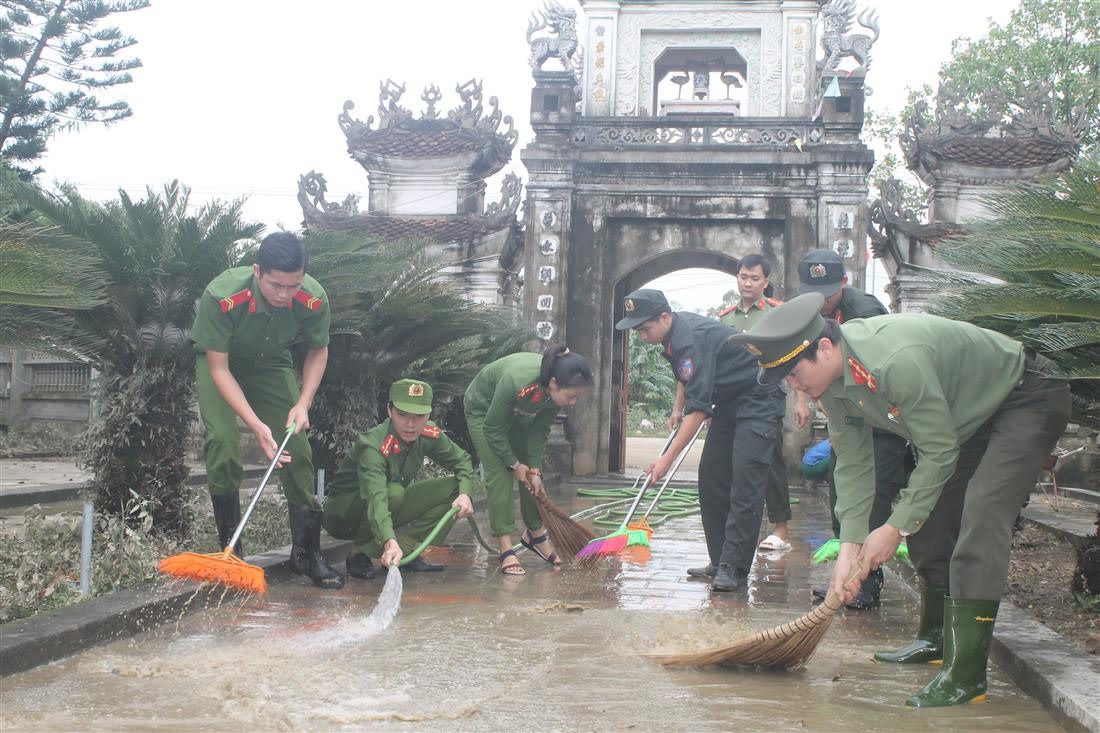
<point>469,649</point>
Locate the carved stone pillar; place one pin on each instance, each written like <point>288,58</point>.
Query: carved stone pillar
<point>599,56</point>
<point>799,49</point>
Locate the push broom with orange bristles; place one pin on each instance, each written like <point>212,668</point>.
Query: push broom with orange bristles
<point>225,567</point>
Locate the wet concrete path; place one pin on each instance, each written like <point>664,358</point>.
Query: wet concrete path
<point>470,649</point>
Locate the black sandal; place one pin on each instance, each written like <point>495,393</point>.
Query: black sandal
<point>514,569</point>
<point>553,559</point>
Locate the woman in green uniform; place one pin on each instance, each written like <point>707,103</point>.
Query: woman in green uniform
<point>510,406</point>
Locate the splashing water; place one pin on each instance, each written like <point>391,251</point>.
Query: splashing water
<point>356,629</point>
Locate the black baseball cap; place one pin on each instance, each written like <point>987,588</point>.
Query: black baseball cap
<point>821,271</point>
<point>641,306</point>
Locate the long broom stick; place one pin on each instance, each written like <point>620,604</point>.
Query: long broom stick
<point>643,523</point>
<point>787,646</point>
<point>225,567</point>
<point>624,536</point>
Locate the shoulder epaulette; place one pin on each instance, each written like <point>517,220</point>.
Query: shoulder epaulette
<point>431,431</point>
<point>860,374</point>
<point>309,301</point>
<point>726,310</point>
<point>230,302</point>
<point>774,301</point>
<point>390,445</point>
<point>533,387</point>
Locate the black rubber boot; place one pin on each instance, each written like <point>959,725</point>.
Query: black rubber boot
<point>725,580</point>
<point>360,566</point>
<point>706,571</point>
<point>305,552</point>
<point>420,565</point>
<point>967,634</point>
<point>929,644</point>
<point>227,515</point>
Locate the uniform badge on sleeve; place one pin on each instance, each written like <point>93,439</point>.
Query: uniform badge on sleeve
<point>685,369</point>
<point>893,413</point>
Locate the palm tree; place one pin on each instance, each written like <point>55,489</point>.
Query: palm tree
<point>652,385</point>
<point>1043,246</point>
<point>392,317</point>
<point>145,263</point>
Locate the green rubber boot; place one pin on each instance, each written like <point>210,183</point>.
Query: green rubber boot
<point>929,644</point>
<point>967,634</point>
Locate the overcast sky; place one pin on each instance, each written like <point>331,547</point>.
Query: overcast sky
<point>240,97</point>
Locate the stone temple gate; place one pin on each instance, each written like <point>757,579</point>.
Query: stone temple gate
<point>630,179</point>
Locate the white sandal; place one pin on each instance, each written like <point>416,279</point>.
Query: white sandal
<point>774,542</point>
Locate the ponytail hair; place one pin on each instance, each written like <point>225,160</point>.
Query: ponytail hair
<point>565,367</point>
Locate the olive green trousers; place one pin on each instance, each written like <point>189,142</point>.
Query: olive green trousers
<point>414,511</point>
<point>271,389</point>
<point>499,483</point>
<point>965,542</point>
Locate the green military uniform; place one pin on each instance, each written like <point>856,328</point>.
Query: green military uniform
<point>982,418</point>
<point>778,495</point>
<point>375,497</point>
<point>234,318</point>
<point>509,415</point>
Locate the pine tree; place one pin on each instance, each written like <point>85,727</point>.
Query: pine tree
<point>55,59</point>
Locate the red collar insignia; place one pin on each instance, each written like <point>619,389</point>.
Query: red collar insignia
<point>860,375</point>
<point>244,296</point>
<point>390,445</point>
<point>311,302</point>
<point>533,391</point>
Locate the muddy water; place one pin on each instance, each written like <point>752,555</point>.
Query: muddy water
<point>472,650</point>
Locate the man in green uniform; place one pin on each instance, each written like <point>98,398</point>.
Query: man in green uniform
<point>822,271</point>
<point>753,273</point>
<point>982,417</point>
<point>247,319</point>
<point>373,499</point>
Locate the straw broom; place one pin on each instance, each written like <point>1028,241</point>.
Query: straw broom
<point>224,567</point>
<point>787,646</point>
<point>568,536</point>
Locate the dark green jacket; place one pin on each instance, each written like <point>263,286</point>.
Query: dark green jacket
<point>854,303</point>
<point>380,458</point>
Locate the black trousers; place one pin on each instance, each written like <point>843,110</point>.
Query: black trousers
<point>778,496</point>
<point>733,474</point>
<point>892,469</point>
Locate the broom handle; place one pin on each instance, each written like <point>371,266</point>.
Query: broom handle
<point>857,569</point>
<point>637,500</point>
<point>668,442</point>
<point>675,467</point>
<point>263,483</point>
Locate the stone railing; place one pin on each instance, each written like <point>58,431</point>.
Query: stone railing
<point>696,131</point>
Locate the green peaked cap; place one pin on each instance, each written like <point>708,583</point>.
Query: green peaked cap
<point>782,334</point>
<point>411,395</point>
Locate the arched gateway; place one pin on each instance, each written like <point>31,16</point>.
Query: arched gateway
<point>628,182</point>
